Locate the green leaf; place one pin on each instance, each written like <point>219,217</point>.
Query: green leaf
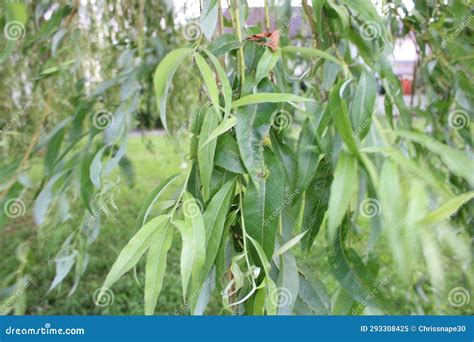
<point>363,104</point>
<point>318,14</point>
<point>156,263</point>
<point>288,281</point>
<point>44,199</point>
<point>290,244</point>
<point>209,18</point>
<point>251,129</point>
<point>214,220</point>
<point>224,44</point>
<point>456,161</point>
<point>316,298</point>
<point>152,199</point>
<point>393,212</point>
<point>134,250</point>
<point>193,253</point>
<point>52,153</point>
<point>87,188</point>
<point>352,278</point>
<point>342,190</point>
<point>448,209</point>
<point>267,62</point>
<point>209,80</point>
<point>206,153</point>
<point>228,155</point>
<point>343,14</point>
<point>308,154</point>
<point>337,108</point>
<point>262,206</point>
<point>316,202</point>
<point>223,127</point>
<point>96,168</point>
<point>271,304</point>
<point>268,98</point>
<point>311,52</point>
<point>226,88</point>
<point>164,75</point>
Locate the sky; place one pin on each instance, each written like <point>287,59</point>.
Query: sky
<point>192,7</point>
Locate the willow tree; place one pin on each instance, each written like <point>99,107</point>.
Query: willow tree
<point>280,161</point>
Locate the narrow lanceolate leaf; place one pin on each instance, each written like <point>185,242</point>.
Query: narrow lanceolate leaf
<point>156,264</point>
<point>309,153</point>
<point>290,244</point>
<point>270,304</point>
<point>152,198</point>
<point>251,129</point>
<point>318,14</point>
<point>267,62</point>
<point>393,211</point>
<point>311,52</point>
<point>316,202</point>
<point>226,88</point>
<point>268,98</point>
<point>193,252</point>
<point>206,153</point>
<point>209,80</point>
<point>262,206</point>
<point>134,250</point>
<point>96,168</point>
<point>342,189</point>
<point>163,77</point>
<point>337,108</point>
<point>214,220</point>
<point>449,209</point>
<point>42,202</point>
<point>456,161</point>
<point>351,277</point>
<point>316,298</point>
<point>289,281</point>
<point>363,104</point>
<point>209,18</point>
<point>223,127</point>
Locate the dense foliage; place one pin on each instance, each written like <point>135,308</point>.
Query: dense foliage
<point>291,155</point>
